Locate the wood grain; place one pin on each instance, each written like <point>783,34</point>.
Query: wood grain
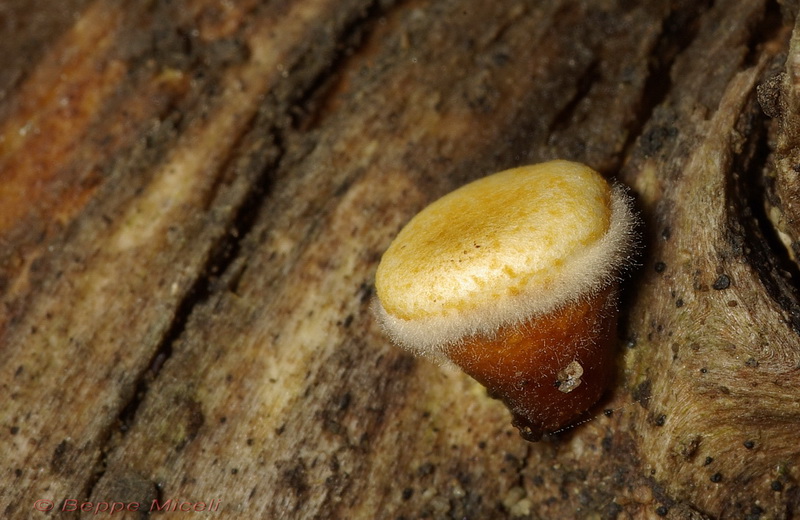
<point>195,196</point>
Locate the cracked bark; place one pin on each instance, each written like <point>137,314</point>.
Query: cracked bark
<point>195,196</point>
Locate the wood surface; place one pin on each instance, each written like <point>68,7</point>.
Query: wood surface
<point>194,196</point>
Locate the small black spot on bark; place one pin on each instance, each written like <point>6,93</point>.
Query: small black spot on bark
<point>59,454</point>
<point>662,510</point>
<point>501,58</point>
<point>749,444</point>
<point>426,469</point>
<point>348,321</point>
<point>755,512</point>
<point>342,188</point>
<point>654,139</point>
<point>708,461</point>
<point>344,401</point>
<point>194,420</point>
<point>722,282</point>
<point>776,485</point>
<point>295,478</point>
<point>407,493</point>
<point>660,267</point>
<point>614,510</point>
<point>690,446</point>
<point>642,393</point>
<point>14,430</point>
<point>716,477</point>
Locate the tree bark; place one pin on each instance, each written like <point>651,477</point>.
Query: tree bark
<point>194,197</point>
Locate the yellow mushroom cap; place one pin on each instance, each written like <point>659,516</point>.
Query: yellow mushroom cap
<point>500,250</point>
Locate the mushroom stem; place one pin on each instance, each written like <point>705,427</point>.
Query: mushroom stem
<point>532,365</point>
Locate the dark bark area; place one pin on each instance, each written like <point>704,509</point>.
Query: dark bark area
<point>194,197</point>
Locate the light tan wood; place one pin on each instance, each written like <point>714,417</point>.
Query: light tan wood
<point>194,197</point>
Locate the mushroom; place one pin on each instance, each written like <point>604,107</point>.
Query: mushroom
<point>514,278</point>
